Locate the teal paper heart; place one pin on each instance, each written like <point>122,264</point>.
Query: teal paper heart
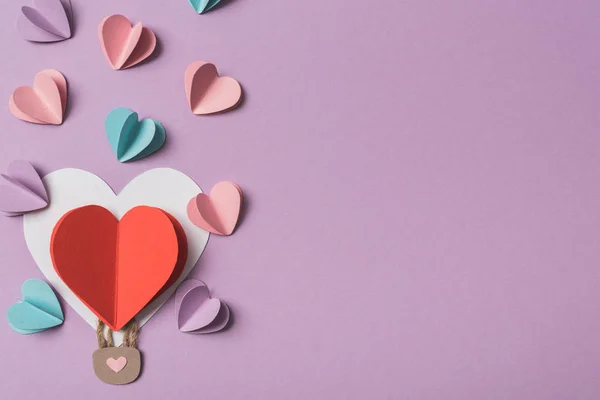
<point>202,6</point>
<point>131,139</point>
<point>39,310</point>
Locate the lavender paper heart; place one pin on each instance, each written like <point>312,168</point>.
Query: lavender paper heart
<point>197,312</point>
<point>21,190</point>
<point>46,21</point>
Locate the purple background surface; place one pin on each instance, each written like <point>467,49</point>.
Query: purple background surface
<point>423,192</point>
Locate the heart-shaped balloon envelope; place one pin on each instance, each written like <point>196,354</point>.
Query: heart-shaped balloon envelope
<point>163,188</point>
<point>115,267</point>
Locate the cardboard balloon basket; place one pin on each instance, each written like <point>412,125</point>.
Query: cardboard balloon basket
<point>117,365</point>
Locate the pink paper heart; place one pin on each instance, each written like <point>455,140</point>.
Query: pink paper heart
<point>219,212</point>
<point>197,312</point>
<point>116,365</point>
<point>207,93</point>
<point>123,45</point>
<point>44,103</point>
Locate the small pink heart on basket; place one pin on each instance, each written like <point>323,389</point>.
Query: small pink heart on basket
<point>44,103</point>
<point>207,92</point>
<point>218,212</point>
<point>116,365</point>
<point>123,45</point>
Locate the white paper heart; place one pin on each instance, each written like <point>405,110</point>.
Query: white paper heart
<point>70,188</point>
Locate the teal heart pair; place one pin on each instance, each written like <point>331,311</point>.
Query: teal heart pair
<point>131,139</point>
<point>39,310</point>
<point>202,6</point>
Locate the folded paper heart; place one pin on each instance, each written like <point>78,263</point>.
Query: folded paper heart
<point>123,45</point>
<point>197,312</point>
<point>21,190</point>
<point>131,139</point>
<point>218,212</point>
<point>207,92</point>
<point>39,310</point>
<point>44,103</point>
<point>68,189</point>
<point>202,6</point>
<point>117,267</point>
<point>46,21</point>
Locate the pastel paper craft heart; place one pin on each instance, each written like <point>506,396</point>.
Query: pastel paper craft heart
<point>46,21</point>
<point>116,365</point>
<point>44,103</point>
<point>131,139</point>
<point>70,188</point>
<point>182,255</point>
<point>197,312</point>
<point>39,310</point>
<point>207,92</point>
<point>123,45</point>
<point>115,267</point>
<point>21,190</point>
<point>202,6</point>
<point>219,212</point>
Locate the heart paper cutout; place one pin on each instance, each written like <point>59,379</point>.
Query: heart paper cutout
<point>202,6</point>
<point>123,45</point>
<point>197,312</point>
<point>44,103</point>
<point>207,92</point>
<point>131,139</point>
<point>21,190</point>
<point>39,310</point>
<point>127,262</point>
<point>46,21</point>
<point>164,188</point>
<point>219,212</point>
<point>116,365</point>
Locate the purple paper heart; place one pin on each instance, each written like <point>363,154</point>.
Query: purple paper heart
<point>46,21</point>
<point>21,190</point>
<point>197,312</point>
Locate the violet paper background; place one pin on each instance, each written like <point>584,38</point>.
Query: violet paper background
<point>422,182</point>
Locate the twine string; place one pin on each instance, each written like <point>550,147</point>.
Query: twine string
<point>130,337</point>
<point>104,341</point>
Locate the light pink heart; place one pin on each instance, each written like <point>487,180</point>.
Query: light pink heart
<point>116,365</point>
<point>219,212</point>
<point>207,92</point>
<point>123,45</point>
<point>45,102</point>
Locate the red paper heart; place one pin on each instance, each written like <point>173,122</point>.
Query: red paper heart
<point>115,267</point>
